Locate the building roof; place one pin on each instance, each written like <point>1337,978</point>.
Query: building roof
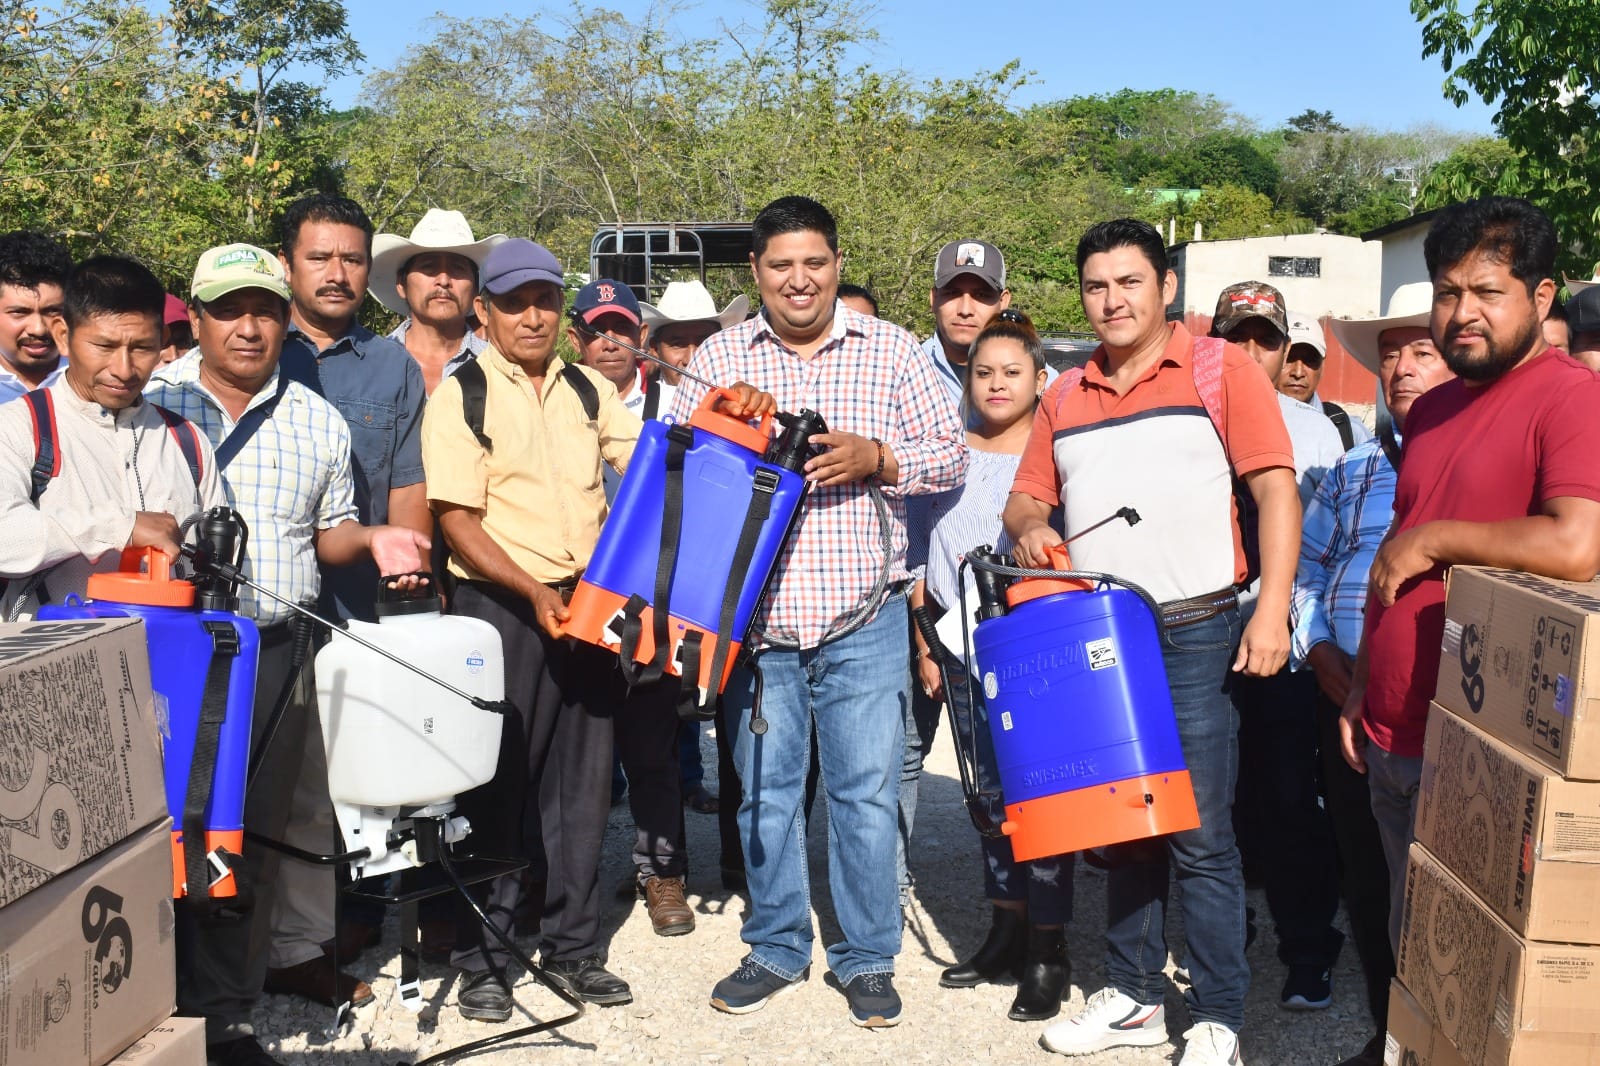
<point>1402,224</point>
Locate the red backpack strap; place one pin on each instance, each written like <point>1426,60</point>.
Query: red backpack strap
<point>46,451</point>
<point>1065,383</point>
<point>187,437</point>
<point>1206,363</point>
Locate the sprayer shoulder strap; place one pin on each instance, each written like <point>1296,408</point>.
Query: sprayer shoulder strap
<point>249,422</point>
<point>46,452</point>
<point>475,394</point>
<point>693,701</point>
<point>203,765</point>
<point>47,444</point>
<point>187,436</point>
<point>679,440</point>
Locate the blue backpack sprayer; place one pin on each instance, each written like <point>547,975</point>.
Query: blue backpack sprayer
<point>684,484</point>
<point>397,757</point>
<point>1073,686</point>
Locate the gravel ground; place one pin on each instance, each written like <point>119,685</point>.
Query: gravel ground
<point>671,1022</point>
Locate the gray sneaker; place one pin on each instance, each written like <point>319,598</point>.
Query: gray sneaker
<point>751,987</point>
<point>874,1004</point>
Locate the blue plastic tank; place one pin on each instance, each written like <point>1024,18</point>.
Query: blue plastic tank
<point>180,656</point>
<point>720,469</point>
<point>1084,733</point>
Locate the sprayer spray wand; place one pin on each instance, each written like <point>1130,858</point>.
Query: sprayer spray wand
<point>583,327</point>
<point>230,572</point>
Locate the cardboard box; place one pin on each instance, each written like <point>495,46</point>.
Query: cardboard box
<point>80,753</point>
<point>1499,999</point>
<point>1521,661</point>
<point>87,962</point>
<point>1413,1039</point>
<point>1512,830</point>
<point>175,1042</point>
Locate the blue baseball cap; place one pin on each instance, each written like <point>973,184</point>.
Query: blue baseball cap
<point>606,297</point>
<point>517,262</point>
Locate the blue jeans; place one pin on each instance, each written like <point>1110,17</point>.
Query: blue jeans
<point>1394,781</point>
<point>1210,878</point>
<point>855,689</point>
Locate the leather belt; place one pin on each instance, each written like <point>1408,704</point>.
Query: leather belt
<point>1178,613</point>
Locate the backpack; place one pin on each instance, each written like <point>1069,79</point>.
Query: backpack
<point>1207,367</point>
<point>47,452</point>
<point>475,390</point>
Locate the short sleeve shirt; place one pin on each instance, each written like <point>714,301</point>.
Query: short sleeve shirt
<point>1487,454</point>
<point>1155,449</point>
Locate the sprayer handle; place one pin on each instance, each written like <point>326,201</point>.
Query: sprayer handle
<point>150,560</point>
<point>708,418</point>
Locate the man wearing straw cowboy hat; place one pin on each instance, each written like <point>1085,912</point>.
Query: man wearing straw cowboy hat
<point>430,278</point>
<point>679,323</point>
<point>1344,524</point>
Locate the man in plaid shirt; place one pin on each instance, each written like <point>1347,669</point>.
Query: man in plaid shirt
<point>290,479</point>
<point>832,635</point>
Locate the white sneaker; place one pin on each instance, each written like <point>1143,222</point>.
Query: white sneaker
<point>1110,1019</point>
<point>1210,1044</point>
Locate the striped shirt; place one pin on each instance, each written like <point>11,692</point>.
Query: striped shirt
<point>868,378</point>
<point>291,479</point>
<point>945,527</point>
<point>1345,523</point>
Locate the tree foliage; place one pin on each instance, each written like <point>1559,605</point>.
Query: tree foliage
<point>1538,62</point>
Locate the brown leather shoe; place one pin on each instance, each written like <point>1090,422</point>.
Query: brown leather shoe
<point>317,980</point>
<point>669,911</point>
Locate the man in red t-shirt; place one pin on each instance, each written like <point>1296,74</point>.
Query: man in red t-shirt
<point>1498,470</point>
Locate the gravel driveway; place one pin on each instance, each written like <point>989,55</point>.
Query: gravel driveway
<point>670,1021</point>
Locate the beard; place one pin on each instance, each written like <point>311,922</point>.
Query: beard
<point>1500,354</point>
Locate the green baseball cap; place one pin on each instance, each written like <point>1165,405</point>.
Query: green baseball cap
<point>237,266</point>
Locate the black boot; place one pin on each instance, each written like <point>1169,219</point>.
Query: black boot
<point>1046,972</point>
<point>1001,953</point>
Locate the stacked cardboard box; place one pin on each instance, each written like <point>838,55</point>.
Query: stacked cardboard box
<point>86,921</point>
<point>1500,952</point>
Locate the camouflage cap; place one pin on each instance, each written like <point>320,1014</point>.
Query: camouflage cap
<point>1249,299</point>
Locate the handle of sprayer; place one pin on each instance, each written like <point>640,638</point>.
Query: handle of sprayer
<point>709,418</point>
<point>389,591</point>
<point>146,560</point>
<point>1094,578</point>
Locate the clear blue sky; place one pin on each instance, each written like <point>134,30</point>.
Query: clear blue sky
<point>1360,59</point>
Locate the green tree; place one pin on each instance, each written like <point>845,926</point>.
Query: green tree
<point>1538,62</point>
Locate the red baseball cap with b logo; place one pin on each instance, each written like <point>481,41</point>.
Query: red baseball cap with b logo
<point>606,297</point>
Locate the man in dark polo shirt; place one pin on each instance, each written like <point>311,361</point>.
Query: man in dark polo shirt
<point>1163,422</point>
<point>372,381</point>
<point>1498,470</point>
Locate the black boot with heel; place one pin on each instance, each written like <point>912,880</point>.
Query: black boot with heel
<point>1046,972</point>
<point>1002,953</point>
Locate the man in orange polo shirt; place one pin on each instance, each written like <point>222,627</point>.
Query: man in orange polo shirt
<point>1164,423</point>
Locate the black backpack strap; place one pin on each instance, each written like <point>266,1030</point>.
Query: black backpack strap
<point>588,395</point>
<point>1341,421</point>
<point>46,451</point>
<point>203,766</point>
<point>187,437</point>
<point>1391,446</point>
<point>652,398</point>
<point>474,392</point>
<point>679,440</point>
<point>249,422</point>
<point>694,702</point>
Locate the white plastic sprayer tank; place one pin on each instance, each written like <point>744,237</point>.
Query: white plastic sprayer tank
<point>395,739</point>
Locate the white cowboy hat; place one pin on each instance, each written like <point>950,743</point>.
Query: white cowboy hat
<point>1577,285</point>
<point>438,231</point>
<point>688,301</point>
<point>1409,305</point>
